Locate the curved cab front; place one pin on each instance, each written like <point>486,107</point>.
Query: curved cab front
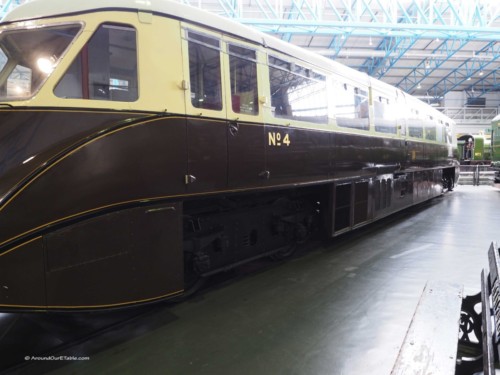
<point>115,259</point>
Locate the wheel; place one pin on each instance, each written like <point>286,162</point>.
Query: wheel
<point>284,252</point>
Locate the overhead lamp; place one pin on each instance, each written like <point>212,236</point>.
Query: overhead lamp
<point>370,42</point>
<point>468,78</point>
<point>419,86</point>
<point>46,64</point>
<point>481,73</point>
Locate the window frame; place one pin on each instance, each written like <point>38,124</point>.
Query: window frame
<point>356,90</point>
<point>8,68</point>
<point>84,64</point>
<point>187,84</point>
<point>300,70</point>
<point>229,97</point>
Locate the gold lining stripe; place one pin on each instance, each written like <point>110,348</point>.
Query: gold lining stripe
<point>69,154</point>
<point>21,245</point>
<point>77,110</point>
<point>125,127</point>
<point>154,199</point>
<point>95,306</point>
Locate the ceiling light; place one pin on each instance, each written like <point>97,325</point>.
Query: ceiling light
<point>46,64</point>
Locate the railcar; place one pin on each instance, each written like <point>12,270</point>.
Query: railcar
<point>495,149</point>
<point>474,148</point>
<point>146,145</point>
<point>495,139</point>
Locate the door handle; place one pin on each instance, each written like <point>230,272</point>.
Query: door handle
<point>265,175</point>
<point>189,179</point>
<point>234,128</point>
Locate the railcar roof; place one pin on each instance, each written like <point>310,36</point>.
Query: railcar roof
<point>39,9</point>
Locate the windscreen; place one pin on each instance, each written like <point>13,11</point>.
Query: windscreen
<point>28,57</point>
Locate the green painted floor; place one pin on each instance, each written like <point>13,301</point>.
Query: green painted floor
<point>342,308</point>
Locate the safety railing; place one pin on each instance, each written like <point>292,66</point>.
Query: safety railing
<point>470,113</point>
<point>476,175</point>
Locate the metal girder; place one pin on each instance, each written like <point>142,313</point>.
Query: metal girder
<point>396,24</point>
<point>444,19</point>
<point>394,48</point>
<point>473,67</point>
<point>425,68</point>
<point>7,6</point>
<point>489,83</point>
<point>307,27</point>
<point>411,12</point>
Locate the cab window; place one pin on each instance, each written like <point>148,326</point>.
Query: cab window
<point>105,69</point>
<point>28,56</point>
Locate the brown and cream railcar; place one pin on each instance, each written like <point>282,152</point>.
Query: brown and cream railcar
<point>146,144</point>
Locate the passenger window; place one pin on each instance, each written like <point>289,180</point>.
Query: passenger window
<point>352,108</point>
<point>243,75</point>
<point>106,67</point>
<point>440,134</point>
<point>205,71</point>
<point>430,128</point>
<point>415,125</point>
<point>385,115</point>
<point>297,93</point>
<point>448,134</point>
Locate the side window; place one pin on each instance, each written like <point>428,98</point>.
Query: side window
<point>385,115</point>
<point>440,134</point>
<point>448,136</point>
<point>415,124</point>
<point>297,93</point>
<point>205,71</point>
<point>106,67</point>
<point>352,108</point>
<point>243,75</point>
<point>430,128</point>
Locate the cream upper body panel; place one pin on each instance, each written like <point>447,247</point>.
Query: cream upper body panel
<point>160,92</point>
<point>37,9</point>
<point>163,70</point>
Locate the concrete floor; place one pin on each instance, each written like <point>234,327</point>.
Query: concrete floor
<point>342,308</point>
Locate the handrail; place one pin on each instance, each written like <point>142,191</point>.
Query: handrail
<point>470,113</point>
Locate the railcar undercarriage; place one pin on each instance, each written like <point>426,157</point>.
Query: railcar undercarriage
<point>223,233</point>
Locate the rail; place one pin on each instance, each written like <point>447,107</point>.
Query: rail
<point>470,113</point>
<point>476,175</point>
